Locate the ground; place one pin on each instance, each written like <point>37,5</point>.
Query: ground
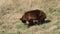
<point>12,10</point>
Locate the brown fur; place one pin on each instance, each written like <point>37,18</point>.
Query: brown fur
<point>31,15</point>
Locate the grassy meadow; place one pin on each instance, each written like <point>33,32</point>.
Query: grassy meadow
<point>12,10</point>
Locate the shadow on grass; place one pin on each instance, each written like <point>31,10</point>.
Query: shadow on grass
<point>46,21</point>
<point>35,23</point>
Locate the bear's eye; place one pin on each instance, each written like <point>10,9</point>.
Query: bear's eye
<point>23,21</point>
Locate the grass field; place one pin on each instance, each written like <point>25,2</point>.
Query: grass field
<point>12,10</point>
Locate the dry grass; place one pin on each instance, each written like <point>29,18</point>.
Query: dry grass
<point>12,10</point>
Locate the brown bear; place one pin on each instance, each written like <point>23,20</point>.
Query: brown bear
<point>33,17</point>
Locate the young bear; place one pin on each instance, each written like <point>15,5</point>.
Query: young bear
<point>33,17</point>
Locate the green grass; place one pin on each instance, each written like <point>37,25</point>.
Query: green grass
<point>58,24</point>
<point>4,12</point>
<point>51,10</point>
<point>1,23</point>
<point>21,26</point>
<point>1,32</point>
<point>43,26</point>
<point>6,27</point>
<point>17,32</point>
<point>55,33</point>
